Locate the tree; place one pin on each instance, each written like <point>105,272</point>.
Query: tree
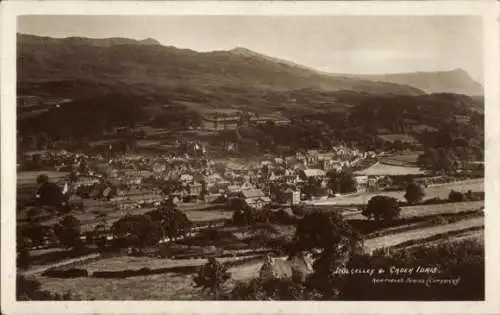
<point>341,182</point>
<point>333,183</point>
<point>447,161</point>
<point>48,194</point>
<point>170,186</point>
<point>414,193</point>
<point>68,231</point>
<point>324,281</point>
<point>35,232</point>
<point>322,230</point>
<point>347,184</point>
<point>382,207</point>
<point>239,217</point>
<point>249,216</point>
<point>313,188</point>
<point>212,276</point>
<point>137,230</point>
<point>330,235</point>
<point>174,222</point>
<point>429,159</point>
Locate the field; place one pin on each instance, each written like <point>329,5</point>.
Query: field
<point>176,285</point>
<point>427,210</point>
<point>381,169</point>
<point>401,159</point>
<point>251,270</point>
<point>397,238</point>
<point>208,215</point>
<point>166,286</point>
<point>403,137</point>
<point>475,235</point>
<point>128,262</point>
<point>433,191</point>
<point>29,178</point>
<point>89,220</point>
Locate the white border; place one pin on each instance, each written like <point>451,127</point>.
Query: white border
<point>10,11</point>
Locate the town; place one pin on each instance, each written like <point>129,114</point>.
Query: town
<point>147,170</point>
<point>108,197</point>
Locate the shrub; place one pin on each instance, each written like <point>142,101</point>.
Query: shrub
<point>212,276</point>
<point>382,207</point>
<point>414,193</point>
<point>456,196</point>
<point>68,231</point>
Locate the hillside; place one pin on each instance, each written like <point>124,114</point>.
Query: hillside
<point>75,67</point>
<point>98,42</point>
<point>455,81</point>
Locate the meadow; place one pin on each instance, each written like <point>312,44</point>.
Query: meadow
<point>433,191</point>
<point>167,286</point>
<point>29,178</point>
<point>402,159</point>
<point>417,234</point>
<point>162,286</point>
<point>381,169</point>
<point>430,210</point>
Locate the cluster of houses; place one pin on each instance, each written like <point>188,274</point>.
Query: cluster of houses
<point>133,181</point>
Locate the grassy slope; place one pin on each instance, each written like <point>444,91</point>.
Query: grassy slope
<point>394,239</point>
<point>162,67</point>
<point>435,191</point>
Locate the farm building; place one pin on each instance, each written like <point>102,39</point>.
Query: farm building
<point>254,198</point>
<point>300,265</point>
<point>217,122</point>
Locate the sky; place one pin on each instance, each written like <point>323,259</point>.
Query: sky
<point>337,44</point>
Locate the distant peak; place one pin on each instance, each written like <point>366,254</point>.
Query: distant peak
<point>149,41</point>
<point>459,71</point>
<point>242,51</point>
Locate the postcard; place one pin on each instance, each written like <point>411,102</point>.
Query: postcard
<point>250,157</point>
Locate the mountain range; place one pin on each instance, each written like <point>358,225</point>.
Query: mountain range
<point>453,81</point>
<point>79,67</point>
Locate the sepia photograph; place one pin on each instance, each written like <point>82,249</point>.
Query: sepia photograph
<point>249,157</point>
